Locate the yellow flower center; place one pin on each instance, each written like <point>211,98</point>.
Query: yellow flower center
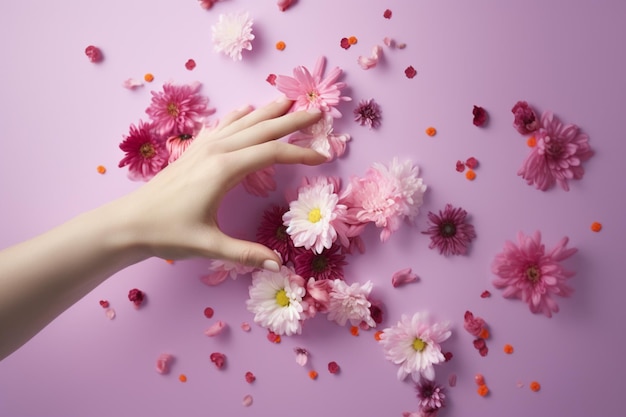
<point>282,299</point>
<point>312,95</point>
<point>419,345</point>
<point>315,215</point>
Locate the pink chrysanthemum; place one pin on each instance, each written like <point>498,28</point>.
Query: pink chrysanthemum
<point>349,303</point>
<point>232,34</point>
<point>178,144</point>
<point>431,397</point>
<point>527,272</point>
<point>320,137</point>
<point>261,182</point>
<point>449,231</point>
<point>145,154</point>
<point>368,114</point>
<point>385,196</point>
<point>414,344</point>
<point>310,91</point>
<point>326,265</point>
<point>178,109</point>
<point>525,121</point>
<point>273,233</point>
<point>558,156</point>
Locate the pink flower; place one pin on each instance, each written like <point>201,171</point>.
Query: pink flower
<point>178,144</point>
<point>320,137</point>
<point>449,231</point>
<point>178,109</point>
<point>558,155</point>
<point>525,120</point>
<point>145,154</point>
<point>403,276</point>
<point>317,298</point>
<point>474,325</point>
<point>431,397</point>
<point>326,265</point>
<point>260,182</point>
<point>273,233</point>
<point>371,61</point>
<point>310,91</point>
<point>232,34</point>
<point>527,272</point>
<point>368,113</point>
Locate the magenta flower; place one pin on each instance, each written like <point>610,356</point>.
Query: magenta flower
<point>558,156</point>
<point>526,121</point>
<point>178,109</point>
<point>326,265</point>
<point>431,397</point>
<point>368,114</point>
<point>145,154</point>
<point>273,233</point>
<point>527,272</point>
<point>177,144</point>
<point>449,231</point>
<point>310,91</point>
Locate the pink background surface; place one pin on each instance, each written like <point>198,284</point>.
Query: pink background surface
<point>62,116</point>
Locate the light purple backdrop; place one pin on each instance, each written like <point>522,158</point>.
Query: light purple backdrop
<point>62,116</point>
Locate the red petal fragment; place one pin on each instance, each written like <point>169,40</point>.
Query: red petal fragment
<point>387,14</point>
<point>485,294</point>
<point>163,363</point>
<point>333,367</point>
<point>104,304</point>
<point>479,343</point>
<point>93,53</point>
<point>480,116</point>
<point>273,337</point>
<point>345,43</point>
<point>471,163</point>
<point>448,356</point>
<point>208,312</point>
<point>190,64</point>
<point>271,79</point>
<point>250,378</point>
<point>219,359</point>
<point>217,328</point>
<point>483,351</point>
<point>410,72</point>
<point>452,380</point>
<point>460,166</point>
<point>137,297</point>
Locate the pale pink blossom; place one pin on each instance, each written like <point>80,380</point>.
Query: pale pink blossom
<point>371,61</point>
<point>216,328</point>
<point>309,91</point>
<point>232,34</point>
<point>350,303</point>
<point>132,83</point>
<point>220,270</point>
<point>321,138</point>
<point>163,363</point>
<point>402,277</point>
<point>260,183</point>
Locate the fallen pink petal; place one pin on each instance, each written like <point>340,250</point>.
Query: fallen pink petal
<point>247,400</point>
<point>163,363</point>
<point>371,61</point>
<point>219,359</point>
<point>110,313</point>
<point>402,277</point>
<point>245,326</point>
<point>216,328</point>
<point>132,83</point>
<point>302,356</point>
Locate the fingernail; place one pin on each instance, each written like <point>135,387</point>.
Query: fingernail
<point>271,265</point>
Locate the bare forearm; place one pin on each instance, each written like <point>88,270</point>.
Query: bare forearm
<point>42,277</point>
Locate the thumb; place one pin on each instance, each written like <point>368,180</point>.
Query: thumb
<point>247,253</point>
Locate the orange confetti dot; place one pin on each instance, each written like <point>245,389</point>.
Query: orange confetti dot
<point>508,349</point>
<point>170,261</point>
<point>483,390</point>
<point>535,386</point>
<point>352,40</point>
<point>280,45</point>
<point>354,331</point>
<point>148,77</point>
<point>378,335</point>
<point>182,378</point>
<point>470,174</point>
<point>596,226</point>
<point>484,333</point>
<point>277,339</point>
<point>531,142</point>
<point>431,131</point>
<point>101,169</point>
<point>313,375</point>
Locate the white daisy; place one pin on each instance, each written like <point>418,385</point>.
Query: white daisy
<point>276,301</point>
<point>310,217</point>
<point>413,344</point>
<point>350,303</point>
<point>232,34</point>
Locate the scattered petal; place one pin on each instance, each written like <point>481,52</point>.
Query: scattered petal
<point>170,261</point>
<point>110,313</point>
<point>345,43</point>
<point>284,4</point>
<point>333,367</point>
<point>483,351</point>
<point>137,297</point>
<point>271,79</point>
<point>101,169</point>
<point>377,335</point>
<point>447,356</point>
<point>479,343</point>
<point>163,363</point>
<point>484,333</point>
<point>388,42</point>
<point>402,277</point>
<point>207,4</point>
<point>354,331</point>
<point>519,384</point>
<point>302,356</point>
<point>479,379</point>
<point>93,53</point>
<point>480,116</point>
<point>190,64</point>
<point>400,45</point>
<point>460,166</point>
<point>352,40</point>
<point>452,380</point>
<point>534,386</point>
<point>526,120</point>
<point>132,83</point>
<point>250,378</point>
<point>371,61</point>
<point>387,14</point>
<point>410,72</point>
<point>216,328</point>
<point>431,131</point>
<point>273,337</point>
<point>508,349</point>
<point>471,163</point>
<point>219,359</point>
<point>247,400</point>
<point>313,374</point>
<point>596,227</point>
<point>104,304</point>
<point>245,326</point>
<point>208,312</point>
<point>485,294</point>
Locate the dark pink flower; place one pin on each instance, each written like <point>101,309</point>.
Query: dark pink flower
<point>273,233</point>
<point>178,109</point>
<point>325,265</point>
<point>480,116</point>
<point>368,114</point>
<point>525,121</point>
<point>145,153</point>
<point>526,271</point>
<point>558,156</point>
<point>219,359</point>
<point>333,367</point>
<point>449,231</point>
<point>136,296</point>
<point>431,397</point>
<point>474,325</point>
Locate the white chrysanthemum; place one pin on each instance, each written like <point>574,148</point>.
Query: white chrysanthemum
<point>350,303</point>
<point>276,301</point>
<point>232,34</point>
<point>309,219</point>
<point>413,344</point>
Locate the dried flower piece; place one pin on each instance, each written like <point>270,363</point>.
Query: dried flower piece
<point>354,330</point>
<point>333,367</point>
<point>596,227</point>
<point>483,390</point>
<point>313,374</point>
<point>368,113</point>
<point>94,54</point>
<point>474,325</point>
<point>371,61</point>
<point>480,116</point>
<point>302,356</point>
<point>182,378</point>
<point>281,45</point>
<point>525,121</point>
<point>190,64</point>
<point>137,297</point>
<point>104,304</point>
<point>163,363</point>
<point>470,175</point>
<point>345,43</point>
<point>148,77</point>
<point>485,294</point>
<point>247,400</point>
<point>410,72</point>
<point>387,14</point>
<point>508,349</point>
<point>208,312</point>
<point>101,169</point>
<point>271,79</point>
<point>250,378</point>
<point>460,166</point>
<point>217,328</point>
<point>471,163</point>
<point>219,359</point>
<point>402,277</point>
<point>431,131</point>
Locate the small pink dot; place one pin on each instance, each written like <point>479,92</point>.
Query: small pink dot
<point>208,312</point>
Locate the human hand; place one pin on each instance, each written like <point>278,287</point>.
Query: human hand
<point>174,215</point>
